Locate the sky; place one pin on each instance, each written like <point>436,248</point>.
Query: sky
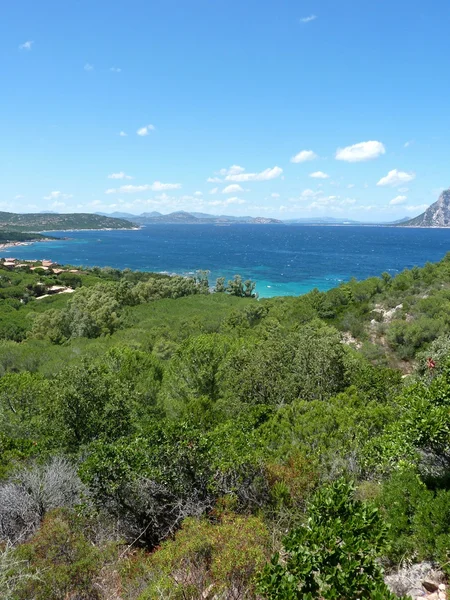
<point>286,108</point>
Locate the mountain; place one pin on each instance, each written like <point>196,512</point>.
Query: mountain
<point>153,213</point>
<point>320,221</point>
<point>436,215</point>
<point>186,218</point>
<point>117,215</point>
<point>399,221</point>
<point>34,222</point>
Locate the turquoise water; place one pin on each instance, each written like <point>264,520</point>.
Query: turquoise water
<point>283,260</point>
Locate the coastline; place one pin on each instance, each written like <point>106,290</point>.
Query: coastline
<point>5,245</point>
<point>94,229</point>
<point>15,244</point>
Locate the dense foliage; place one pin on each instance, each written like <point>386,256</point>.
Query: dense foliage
<point>160,439</point>
<point>55,222</point>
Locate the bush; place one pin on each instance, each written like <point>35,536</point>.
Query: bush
<point>206,560</point>
<point>419,519</point>
<point>334,555</point>
<point>29,495</point>
<point>14,573</point>
<point>64,560</point>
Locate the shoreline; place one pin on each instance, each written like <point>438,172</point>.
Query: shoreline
<point>14,244</point>
<point>5,245</point>
<point>93,229</point>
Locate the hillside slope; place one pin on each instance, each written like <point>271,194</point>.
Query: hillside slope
<point>54,222</point>
<point>194,219</point>
<point>436,215</point>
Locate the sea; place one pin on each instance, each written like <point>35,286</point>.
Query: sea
<point>282,259</point>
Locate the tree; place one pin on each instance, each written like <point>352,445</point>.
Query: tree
<point>201,278</point>
<point>220,286</point>
<point>241,289</point>
<point>194,371</point>
<point>88,403</point>
<point>420,436</point>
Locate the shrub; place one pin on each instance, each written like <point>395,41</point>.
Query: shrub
<point>334,555</point>
<point>219,560</point>
<point>65,560</point>
<point>419,519</point>
<point>14,573</point>
<point>29,495</point>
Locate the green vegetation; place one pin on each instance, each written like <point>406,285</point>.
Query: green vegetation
<point>15,222</point>
<point>158,440</point>
<point>17,236</point>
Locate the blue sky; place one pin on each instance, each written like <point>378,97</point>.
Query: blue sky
<point>275,108</point>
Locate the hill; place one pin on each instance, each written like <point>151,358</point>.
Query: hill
<point>8,237</point>
<point>163,440</point>
<point>321,221</point>
<point>186,218</point>
<point>436,215</point>
<point>35,222</point>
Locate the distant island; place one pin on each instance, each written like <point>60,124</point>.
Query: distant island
<point>18,238</point>
<point>436,215</point>
<point>37,222</point>
<point>193,218</point>
<point>187,218</point>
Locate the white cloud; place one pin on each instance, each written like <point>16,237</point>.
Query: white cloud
<point>88,67</point>
<point>18,197</point>
<point>232,189</point>
<point>398,200</point>
<point>274,195</point>
<point>308,19</point>
<point>198,194</point>
<point>123,134</point>
<point>308,193</point>
<point>408,143</point>
<point>360,152</point>
<point>120,175</point>
<point>350,186</point>
<point>115,70</point>
<point>227,202</point>
<point>319,175</point>
<point>157,186</point>
<point>143,131</point>
<point>214,190</point>
<point>214,180</point>
<point>304,156</point>
<point>396,177</point>
<point>57,195</point>
<point>26,45</point>
<point>265,175</point>
<point>233,170</point>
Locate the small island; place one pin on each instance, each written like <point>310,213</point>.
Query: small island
<point>10,239</point>
<point>21,229</point>
<point>38,222</point>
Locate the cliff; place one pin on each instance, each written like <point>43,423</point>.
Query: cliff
<point>436,215</point>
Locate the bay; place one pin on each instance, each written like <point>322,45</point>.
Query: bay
<point>283,260</point>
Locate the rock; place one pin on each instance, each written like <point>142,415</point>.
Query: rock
<point>407,581</point>
<point>436,215</point>
<point>430,586</point>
